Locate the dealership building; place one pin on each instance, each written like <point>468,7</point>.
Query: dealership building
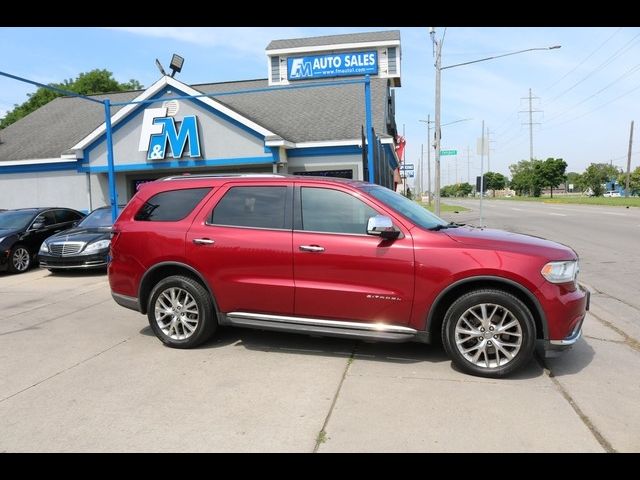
<point>308,117</point>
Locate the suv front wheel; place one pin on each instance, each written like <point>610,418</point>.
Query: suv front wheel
<point>181,312</point>
<point>489,333</point>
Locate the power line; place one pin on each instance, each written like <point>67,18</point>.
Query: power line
<point>615,55</point>
<point>626,74</point>
<point>584,60</point>
<point>597,108</point>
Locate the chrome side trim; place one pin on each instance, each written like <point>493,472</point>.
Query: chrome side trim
<point>570,340</point>
<point>375,327</point>
<point>126,301</point>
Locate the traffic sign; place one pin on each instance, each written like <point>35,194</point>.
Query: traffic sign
<point>448,152</point>
<point>407,166</point>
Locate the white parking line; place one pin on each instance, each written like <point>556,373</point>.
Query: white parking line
<point>613,213</point>
<point>557,214</point>
<point>517,209</point>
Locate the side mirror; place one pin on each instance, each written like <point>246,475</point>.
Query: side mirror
<point>37,226</point>
<point>382,226</point>
<point>75,224</point>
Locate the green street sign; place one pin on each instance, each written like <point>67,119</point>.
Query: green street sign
<point>448,152</point>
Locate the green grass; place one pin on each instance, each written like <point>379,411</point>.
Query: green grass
<point>579,200</point>
<point>444,207</point>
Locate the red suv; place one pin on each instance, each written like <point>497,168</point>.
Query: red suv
<point>344,258</point>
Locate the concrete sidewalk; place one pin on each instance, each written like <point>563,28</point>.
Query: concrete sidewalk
<point>79,373</point>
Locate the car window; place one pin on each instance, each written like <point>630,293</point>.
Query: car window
<point>327,210</point>
<point>98,218</point>
<point>171,206</point>
<point>257,207</point>
<point>63,216</point>
<point>15,219</point>
<point>47,218</point>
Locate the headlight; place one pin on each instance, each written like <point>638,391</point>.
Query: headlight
<point>44,248</point>
<point>560,272</point>
<point>99,245</point>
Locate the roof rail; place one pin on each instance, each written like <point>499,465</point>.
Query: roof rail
<point>222,175</point>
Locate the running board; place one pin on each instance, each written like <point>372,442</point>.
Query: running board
<point>316,326</point>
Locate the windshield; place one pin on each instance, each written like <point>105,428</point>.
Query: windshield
<point>16,219</point>
<point>97,218</point>
<point>408,208</point>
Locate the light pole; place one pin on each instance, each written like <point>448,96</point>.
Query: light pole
<point>437,45</point>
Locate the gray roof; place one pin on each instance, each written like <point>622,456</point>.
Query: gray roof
<point>335,39</point>
<point>299,115</point>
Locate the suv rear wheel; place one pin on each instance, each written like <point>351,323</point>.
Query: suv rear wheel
<point>181,312</point>
<point>489,333</point>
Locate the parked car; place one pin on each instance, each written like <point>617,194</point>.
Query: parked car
<point>22,231</point>
<point>611,193</point>
<point>334,257</point>
<point>85,246</point>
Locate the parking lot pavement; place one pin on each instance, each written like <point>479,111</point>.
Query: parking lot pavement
<point>79,373</point>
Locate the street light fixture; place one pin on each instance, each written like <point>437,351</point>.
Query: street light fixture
<point>437,47</point>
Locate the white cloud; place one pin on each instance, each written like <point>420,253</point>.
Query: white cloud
<point>243,40</point>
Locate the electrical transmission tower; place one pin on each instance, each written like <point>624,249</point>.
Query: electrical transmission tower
<point>531,123</point>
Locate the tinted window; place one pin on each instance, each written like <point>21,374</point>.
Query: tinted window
<point>47,218</point>
<point>63,216</point>
<point>262,207</point>
<point>171,206</point>
<point>15,220</point>
<point>97,218</point>
<point>325,210</point>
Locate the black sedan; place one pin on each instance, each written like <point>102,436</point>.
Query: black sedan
<point>85,246</point>
<point>22,231</point>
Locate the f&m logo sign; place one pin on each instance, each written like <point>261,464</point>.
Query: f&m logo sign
<point>332,65</point>
<point>159,131</point>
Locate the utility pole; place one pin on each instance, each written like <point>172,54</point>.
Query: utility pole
<point>626,186</point>
<point>421,167</point>
<point>489,149</point>
<point>438,53</point>
<point>531,123</point>
<point>468,166</point>
<point>429,172</point>
<point>404,165</point>
<point>481,172</point>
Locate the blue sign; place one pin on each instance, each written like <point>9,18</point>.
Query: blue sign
<point>332,65</point>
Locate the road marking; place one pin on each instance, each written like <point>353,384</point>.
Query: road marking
<point>557,214</point>
<point>614,213</point>
<point>517,209</point>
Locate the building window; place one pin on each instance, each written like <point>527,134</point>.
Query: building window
<point>275,69</point>
<point>391,58</point>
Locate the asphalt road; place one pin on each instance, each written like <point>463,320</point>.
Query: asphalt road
<point>79,373</point>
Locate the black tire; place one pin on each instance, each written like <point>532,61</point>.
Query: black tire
<point>17,259</point>
<point>509,307</point>
<point>206,315</point>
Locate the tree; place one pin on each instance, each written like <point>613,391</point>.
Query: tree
<point>525,177</point>
<point>598,173</point>
<point>88,83</point>
<point>634,181</point>
<point>552,172</point>
<point>494,181</point>
<point>464,189</point>
<point>575,179</point>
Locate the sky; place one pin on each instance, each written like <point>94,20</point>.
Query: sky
<point>587,92</point>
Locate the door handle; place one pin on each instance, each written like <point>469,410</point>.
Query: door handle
<point>203,241</point>
<point>311,248</point>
